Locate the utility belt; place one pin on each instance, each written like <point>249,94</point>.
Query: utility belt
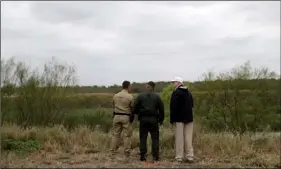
<point>131,116</point>
<point>124,114</point>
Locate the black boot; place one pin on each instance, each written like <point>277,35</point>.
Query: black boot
<point>156,158</point>
<point>143,158</point>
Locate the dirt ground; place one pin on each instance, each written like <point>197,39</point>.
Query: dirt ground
<point>105,160</point>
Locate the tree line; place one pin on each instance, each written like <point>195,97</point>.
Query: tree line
<point>249,84</point>
<point>239,100</point>
<point>198,86</point>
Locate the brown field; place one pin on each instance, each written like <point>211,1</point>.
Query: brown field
<point>86,148</point>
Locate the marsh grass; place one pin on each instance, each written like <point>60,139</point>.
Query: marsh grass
<point>249,150</point>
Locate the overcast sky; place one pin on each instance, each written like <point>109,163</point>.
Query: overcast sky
<point>109,42</point>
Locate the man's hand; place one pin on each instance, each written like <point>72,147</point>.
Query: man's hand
<point>132,117</point>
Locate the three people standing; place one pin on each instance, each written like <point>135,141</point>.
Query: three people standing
<point>150,110</point>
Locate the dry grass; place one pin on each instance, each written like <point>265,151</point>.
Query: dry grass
<point>85,148</point>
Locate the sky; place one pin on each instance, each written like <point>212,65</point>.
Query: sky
<point>109,42</point>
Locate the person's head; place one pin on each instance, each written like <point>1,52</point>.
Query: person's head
<point>177,81</point>
<point>150,86</point>
<point>126,85</point>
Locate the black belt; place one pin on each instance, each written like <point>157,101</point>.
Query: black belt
<point>124,114</point>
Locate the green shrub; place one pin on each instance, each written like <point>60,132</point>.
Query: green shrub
<point>230,107</point>
<point>20,146</point>
<point>40,96</point>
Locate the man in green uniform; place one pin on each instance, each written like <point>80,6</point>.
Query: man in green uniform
<point>150,110</point>
<point>123,117</point>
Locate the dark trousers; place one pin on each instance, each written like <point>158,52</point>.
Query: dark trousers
<point>152,127</point>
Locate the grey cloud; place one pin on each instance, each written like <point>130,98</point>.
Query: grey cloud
<point>264,12</point>
<point>112,41</point>
<point>155,36</point>
<point>12,34</point>
<point>190,3</point>
<point>37,47</point>
<point>235,49</point>
<point>57,12</point>
<point>97,14</point>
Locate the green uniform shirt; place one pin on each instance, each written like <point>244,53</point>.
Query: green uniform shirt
<point>149,104</point>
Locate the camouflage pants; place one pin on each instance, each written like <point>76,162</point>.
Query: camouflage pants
<point>121,123</point>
